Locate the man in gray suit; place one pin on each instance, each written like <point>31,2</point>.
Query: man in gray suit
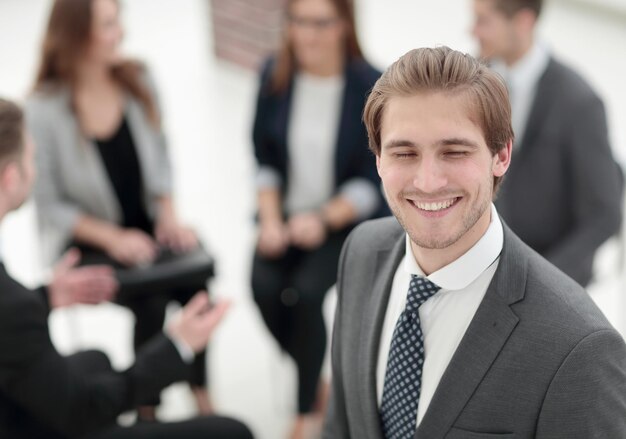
<point>563,192</point>
<point>447,324</point>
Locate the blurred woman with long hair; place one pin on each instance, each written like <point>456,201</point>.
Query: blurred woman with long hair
<point>104,176</point>
<point>316,179</point>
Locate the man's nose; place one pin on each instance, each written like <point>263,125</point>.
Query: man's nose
<point>430,175</point>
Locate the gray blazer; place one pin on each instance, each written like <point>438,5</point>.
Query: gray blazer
<point>72,179</point>
<point>539,360</point>
<point>562,194</point>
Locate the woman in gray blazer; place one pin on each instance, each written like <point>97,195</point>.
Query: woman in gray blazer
<point>104,177</point>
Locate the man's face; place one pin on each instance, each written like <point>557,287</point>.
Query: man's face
<point>436,169</point>
<point>494,31</point>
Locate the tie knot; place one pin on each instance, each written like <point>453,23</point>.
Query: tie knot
<point>420,290</point>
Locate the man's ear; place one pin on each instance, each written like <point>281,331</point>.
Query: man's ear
<point>502,160</point>
<point>9,177</point>
<point>378,164</point>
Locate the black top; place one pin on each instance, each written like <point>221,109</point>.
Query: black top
<point>122,164</point>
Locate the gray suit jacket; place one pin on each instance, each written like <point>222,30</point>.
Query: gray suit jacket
<point>72,179</point>
<point>562,194</point>
<point>539,360</point>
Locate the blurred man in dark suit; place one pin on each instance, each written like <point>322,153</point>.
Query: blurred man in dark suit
<point>46,395</point>
<point>563,192</point>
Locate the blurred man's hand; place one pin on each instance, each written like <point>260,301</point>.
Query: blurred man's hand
<point>196,322</point>
<point>72,285</point>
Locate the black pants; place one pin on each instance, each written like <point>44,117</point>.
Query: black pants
<point>149,311</point>
<point>209,427</point>
<point>289,292</point>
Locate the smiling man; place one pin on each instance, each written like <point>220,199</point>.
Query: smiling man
<point>447,325</point>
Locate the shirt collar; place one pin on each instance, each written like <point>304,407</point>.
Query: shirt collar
<point>460,273</point>
<point>527,70</point>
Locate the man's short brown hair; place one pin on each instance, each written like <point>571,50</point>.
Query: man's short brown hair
<point>512,7</point>
<point>444,70</point>
<point>11,131</point>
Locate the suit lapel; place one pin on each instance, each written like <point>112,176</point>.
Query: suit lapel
<point>385,267</point>
<point>485,337</point>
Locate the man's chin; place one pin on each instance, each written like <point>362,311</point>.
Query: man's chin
<point>438,239</point>
<point>430,243</point>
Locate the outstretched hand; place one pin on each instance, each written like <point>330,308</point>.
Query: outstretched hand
<point>72,285</point>
<point>196,322</point>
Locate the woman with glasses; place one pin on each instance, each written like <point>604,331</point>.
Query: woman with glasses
<point>316,179</point>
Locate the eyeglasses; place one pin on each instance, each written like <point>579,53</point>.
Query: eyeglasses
<point>319,24</point>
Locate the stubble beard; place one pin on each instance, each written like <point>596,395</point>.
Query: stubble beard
<point>432,243</point>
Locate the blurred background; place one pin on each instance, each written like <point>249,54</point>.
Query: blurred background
<point>203,55</point>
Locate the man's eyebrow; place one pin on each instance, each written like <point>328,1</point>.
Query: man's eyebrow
<point>452,141</point>
<point>458,141</point>
<point>398,143</point>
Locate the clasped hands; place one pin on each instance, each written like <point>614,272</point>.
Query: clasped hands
<point>134,247</point>
<point>307,231</point>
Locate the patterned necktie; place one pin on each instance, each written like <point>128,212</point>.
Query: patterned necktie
<point>403,378</point>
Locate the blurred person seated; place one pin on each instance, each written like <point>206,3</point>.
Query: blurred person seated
<point>316,180</point>
<point>46,395</point>
<point>563,192</point>
<point>104,177</point>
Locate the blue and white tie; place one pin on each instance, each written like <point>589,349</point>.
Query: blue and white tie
<point>403,378</point>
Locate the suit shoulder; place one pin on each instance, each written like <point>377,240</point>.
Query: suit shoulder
<point>573,87</point>
<point>44,104</point>
<point>47,94</point>
<point>19,305</point>
<point>564,304</point>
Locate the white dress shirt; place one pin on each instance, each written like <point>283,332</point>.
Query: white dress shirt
<point>445,316</point>
<point>522,79</point>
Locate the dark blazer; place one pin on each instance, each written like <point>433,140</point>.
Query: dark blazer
<point>562,194</point>
<point>352,156</point>
<point>538,360</point>
<point>43,395</point>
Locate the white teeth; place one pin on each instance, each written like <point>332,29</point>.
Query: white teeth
<point>433,207</point>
